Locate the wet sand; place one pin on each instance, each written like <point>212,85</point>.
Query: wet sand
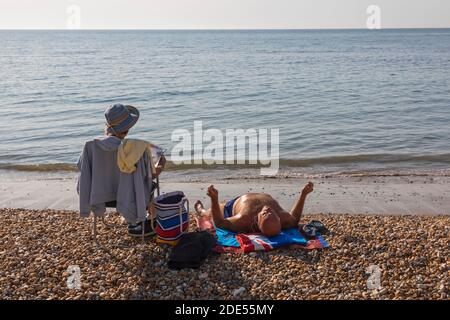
<point>385,195</point>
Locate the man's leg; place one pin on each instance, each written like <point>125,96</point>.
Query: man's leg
<point>201,211</point>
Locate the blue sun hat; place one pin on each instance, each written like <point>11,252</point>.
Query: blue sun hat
<point>120,118</point>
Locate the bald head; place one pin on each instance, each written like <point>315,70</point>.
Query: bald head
<point>269,222</point>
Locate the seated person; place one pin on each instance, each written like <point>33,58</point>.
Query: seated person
<point>115,173</point>
<point>253,212</point>
<point>120,129</point>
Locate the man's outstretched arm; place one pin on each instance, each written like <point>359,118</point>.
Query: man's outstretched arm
<point>297,209</point>
<point>217,214</point>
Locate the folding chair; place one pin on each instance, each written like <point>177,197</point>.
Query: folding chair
<point>113,205</point>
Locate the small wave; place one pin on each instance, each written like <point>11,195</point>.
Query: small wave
<point>381,173</point>
<point>182,93</point>
<point>362,161</point>
<point>49,167</point>
<point>368,158</point>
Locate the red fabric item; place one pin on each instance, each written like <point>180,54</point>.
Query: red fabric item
<point>247,245</point>
<point>172,233</point>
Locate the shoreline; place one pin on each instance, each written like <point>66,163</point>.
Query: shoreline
<point>365,163</point>
<point>357,194</point>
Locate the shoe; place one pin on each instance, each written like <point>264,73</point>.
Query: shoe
<point>313,229</point>
<point>320,227</point>
<point>136,229</point>
<point>309,231</point>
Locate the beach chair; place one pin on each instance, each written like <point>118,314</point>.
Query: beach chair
<point>113,225</point>
<point>101,156</point>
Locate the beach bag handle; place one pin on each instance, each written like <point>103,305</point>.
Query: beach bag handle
<point>182,203</point>
<point>153,219</point>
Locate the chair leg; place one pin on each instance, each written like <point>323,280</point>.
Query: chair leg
<point>158,193</point>
<point>95,230</point>
<point>109,225</point>
<point>95,235</point>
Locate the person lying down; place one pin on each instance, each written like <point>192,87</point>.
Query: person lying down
<point>253,212</point>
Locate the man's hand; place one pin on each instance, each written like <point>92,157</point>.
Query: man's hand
<point>308,189</point>
<point>213,193</point>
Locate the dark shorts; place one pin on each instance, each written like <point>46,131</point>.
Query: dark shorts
<point>228,209</point>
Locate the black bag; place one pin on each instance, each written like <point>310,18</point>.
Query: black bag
<point>191,250</point>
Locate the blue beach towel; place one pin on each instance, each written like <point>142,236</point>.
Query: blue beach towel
<point>286,237</point>
<point>227,238</point>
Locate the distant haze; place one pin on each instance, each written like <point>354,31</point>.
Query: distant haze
<point>222,14</point>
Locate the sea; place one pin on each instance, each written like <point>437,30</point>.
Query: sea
<point>343,101</point>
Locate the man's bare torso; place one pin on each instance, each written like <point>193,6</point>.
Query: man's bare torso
<point>247,207</point>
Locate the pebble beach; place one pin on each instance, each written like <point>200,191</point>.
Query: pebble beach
<point>38,248</point>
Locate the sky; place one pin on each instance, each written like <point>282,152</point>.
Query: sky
<point>220,14</point>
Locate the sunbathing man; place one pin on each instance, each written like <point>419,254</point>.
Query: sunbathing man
<point>253,212</point>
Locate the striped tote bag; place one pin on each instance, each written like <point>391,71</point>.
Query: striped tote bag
<point>172,217</point>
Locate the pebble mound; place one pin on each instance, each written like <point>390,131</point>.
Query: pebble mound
<point>38,248</point>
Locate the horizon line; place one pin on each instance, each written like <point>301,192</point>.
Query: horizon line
<point>214,29</point>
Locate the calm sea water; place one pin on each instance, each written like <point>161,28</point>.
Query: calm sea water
<point>348,99</point>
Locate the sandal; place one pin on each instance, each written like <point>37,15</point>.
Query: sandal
<point>320,227</point>
<point>309,231</point>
